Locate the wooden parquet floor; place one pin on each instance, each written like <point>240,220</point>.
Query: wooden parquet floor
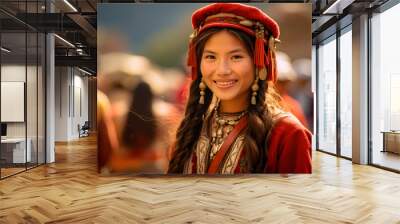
<point>70,191</point>
<point>9,171</point>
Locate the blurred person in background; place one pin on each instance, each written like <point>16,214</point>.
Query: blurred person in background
<point>142,119</point>
<point>286,84</point>
<point>303,92</point>
<point>143,144</point>
<point>119,73</point>
<point>107,139</point>
<point>140,125</point>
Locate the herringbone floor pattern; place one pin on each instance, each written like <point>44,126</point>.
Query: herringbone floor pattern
<point>70,191</point>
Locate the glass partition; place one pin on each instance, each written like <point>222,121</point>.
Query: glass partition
<point>14,150</point>
<point>327,96</point>
<point>385,89</point>
<point>41,86</point>
<point>22,88</point>
<point>31,97</point>
<point>346,93</point>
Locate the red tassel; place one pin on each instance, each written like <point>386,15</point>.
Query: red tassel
<point>192,61</point>
<point>259,52</point>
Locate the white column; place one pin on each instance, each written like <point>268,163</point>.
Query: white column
<point>50,99</point>
<point>50,92</point>
<point>360,90</point>
<point>62,103</point>
<point>314,91</point>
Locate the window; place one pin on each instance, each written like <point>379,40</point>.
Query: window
<point>346,93</point>
<point>326,100</point>
<point>385,89</point>
<point>22,76</point>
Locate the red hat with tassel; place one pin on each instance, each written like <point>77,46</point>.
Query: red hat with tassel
<point>246,18</point>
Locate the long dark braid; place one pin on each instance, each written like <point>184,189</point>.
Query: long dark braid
<point>189,130</point>
<point>190,127</point>
<point>259,125</point>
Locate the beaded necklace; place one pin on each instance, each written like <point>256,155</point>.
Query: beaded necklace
<point>223,125</point>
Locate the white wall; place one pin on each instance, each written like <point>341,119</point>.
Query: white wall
<point>61,103</point>
<point>16,73</point>
<point>71,94</point>
<point>13,73</point>
<point>32,127</point>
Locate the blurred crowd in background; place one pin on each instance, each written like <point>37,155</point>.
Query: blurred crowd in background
<point>140,107</point>
<point>141,103</point>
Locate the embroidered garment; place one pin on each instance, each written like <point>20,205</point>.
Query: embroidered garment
<point>288,149</point>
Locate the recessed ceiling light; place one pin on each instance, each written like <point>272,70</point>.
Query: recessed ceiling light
<point>5,49</point>
<point>64,40</point>
<point>70,5</point>
<point>84,71</point>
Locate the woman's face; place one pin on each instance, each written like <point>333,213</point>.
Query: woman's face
<point>227,67</point>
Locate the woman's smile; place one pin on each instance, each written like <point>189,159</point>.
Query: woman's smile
<point>225,84</point>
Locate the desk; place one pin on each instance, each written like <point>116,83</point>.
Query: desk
<point>16,147</point>
<point>391,141</point>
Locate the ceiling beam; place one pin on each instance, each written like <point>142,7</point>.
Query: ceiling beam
<point>82,61</point>
<point>84,24</point>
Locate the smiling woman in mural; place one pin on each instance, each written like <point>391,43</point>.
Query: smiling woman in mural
<point>233,122</point>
